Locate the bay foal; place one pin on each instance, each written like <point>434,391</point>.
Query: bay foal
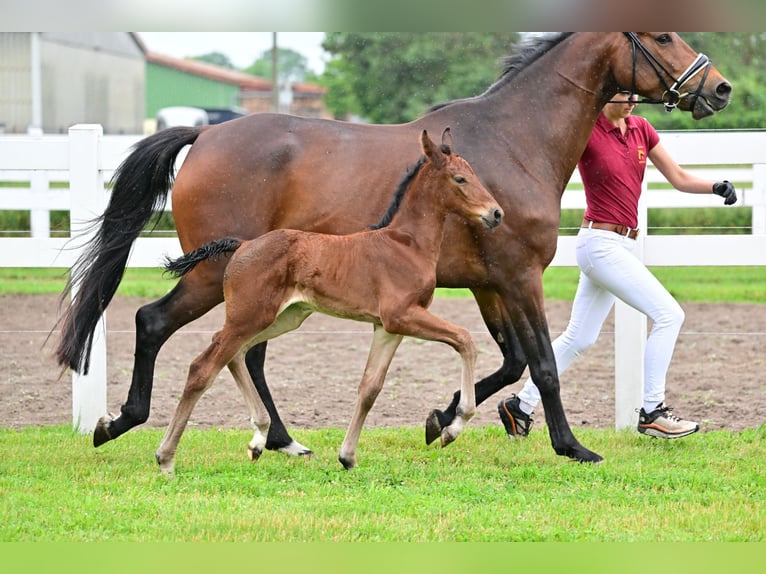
<point>385,276</point>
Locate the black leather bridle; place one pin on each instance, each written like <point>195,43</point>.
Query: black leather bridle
<point>672,95</point>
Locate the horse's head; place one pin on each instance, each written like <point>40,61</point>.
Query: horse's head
<point>662,67</point>
<point>463,192</point>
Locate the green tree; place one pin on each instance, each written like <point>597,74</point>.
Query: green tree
<point>291,66</point>
<point>216,59</point>
<point>392,77</point>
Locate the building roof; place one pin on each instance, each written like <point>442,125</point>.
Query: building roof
<point>246,82</point>
<point>217,73</point>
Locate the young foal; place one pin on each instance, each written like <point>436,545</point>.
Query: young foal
<point>385,276</point>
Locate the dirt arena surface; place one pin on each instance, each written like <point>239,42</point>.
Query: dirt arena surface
<point>717,374</point>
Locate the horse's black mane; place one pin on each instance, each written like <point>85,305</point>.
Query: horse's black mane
<point>402,188</point>
<point>524,54</point>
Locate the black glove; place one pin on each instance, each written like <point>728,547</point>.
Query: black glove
<point>725,190</point>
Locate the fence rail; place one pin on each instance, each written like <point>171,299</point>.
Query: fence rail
<point>86,160</point>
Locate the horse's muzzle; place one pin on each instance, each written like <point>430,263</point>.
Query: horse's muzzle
<point>706,104</point>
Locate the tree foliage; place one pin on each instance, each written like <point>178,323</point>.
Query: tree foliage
<point>393,77</point>
<point>216,59</point>
<point>291,66</point>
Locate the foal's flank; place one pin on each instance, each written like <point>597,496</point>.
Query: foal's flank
<point>385,276</point>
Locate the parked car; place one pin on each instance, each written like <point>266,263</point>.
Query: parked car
<point>220,115</point>
<point>181,116</point>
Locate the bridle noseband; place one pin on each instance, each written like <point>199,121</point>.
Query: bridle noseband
<point>672,96</point>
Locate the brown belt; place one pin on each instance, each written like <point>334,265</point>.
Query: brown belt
<point>623,230</point>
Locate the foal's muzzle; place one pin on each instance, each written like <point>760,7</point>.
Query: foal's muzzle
<point>492,218</point>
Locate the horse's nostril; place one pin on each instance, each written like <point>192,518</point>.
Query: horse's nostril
<point>498,215</point>
<point>723,89</point>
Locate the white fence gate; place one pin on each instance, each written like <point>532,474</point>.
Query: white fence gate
<point>86,159</point>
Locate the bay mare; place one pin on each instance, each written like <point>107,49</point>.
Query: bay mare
<point>245,177</point>
<point>385,276</point>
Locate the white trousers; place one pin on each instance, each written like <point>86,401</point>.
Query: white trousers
<point>608,269</point>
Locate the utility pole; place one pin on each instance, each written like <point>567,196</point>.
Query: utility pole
<point>274,74</point>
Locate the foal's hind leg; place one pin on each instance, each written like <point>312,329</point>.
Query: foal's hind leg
<point>384,345</point>
<point>191,298</point>
<point>202,373</point>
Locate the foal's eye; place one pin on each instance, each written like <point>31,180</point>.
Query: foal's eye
<point>664,39</point>
<point>459,179</point>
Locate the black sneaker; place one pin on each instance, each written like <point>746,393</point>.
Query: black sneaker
<point>516,422</point>
<point>662,423</point>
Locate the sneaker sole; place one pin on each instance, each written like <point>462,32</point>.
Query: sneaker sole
<point>659,433</point>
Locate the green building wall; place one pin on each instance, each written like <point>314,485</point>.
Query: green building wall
<point>169,87</point>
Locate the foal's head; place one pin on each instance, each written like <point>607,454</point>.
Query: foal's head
<point>459,187</point>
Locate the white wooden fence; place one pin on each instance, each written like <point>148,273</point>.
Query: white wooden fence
<point>86,159</point>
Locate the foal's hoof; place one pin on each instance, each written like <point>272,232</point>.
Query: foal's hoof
<point>254,453</point>
<point>347,463</point>
<point>434,426</point>
<point>101,433</point>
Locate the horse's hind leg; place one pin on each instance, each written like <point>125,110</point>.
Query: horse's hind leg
<point>155,323</point>
<point>384,345</point>
<point>278,438</point>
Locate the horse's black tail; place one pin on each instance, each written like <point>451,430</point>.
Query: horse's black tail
<point>181,266</point>
<point>140,187</point>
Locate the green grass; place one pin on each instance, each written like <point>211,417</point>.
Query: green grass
<point>687,284</point>
<point>54,486</point>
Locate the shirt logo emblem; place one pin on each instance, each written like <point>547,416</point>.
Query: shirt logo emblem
<point>641,155</point>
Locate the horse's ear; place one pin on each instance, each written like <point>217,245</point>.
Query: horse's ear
<point>431,150</point>
<point>447,141</point>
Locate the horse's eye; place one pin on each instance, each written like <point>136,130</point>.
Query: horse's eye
<point>664,39</point>
<point>459,179</point>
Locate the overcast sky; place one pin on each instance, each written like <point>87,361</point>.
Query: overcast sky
<point>242,48</point>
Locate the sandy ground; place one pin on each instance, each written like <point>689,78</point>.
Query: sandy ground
<point>716,376</point>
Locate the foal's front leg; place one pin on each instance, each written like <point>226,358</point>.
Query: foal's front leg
<point>421,323</point>
<point>384,345</point>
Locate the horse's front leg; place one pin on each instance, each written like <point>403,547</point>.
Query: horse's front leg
<point>155,323</point>
<point>500,327</point>
<point>384,345</point>
<point>532,327</point>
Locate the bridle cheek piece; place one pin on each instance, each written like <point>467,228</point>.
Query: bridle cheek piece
<point>672,95</point>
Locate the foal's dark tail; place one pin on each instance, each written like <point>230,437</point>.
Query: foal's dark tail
<point>214,249</point>
<point>140,188</point>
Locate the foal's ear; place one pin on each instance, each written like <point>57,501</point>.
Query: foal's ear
<point>431,150</point>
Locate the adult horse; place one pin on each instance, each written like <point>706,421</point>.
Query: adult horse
<point>243,178</point>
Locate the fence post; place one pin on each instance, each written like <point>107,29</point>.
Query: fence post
<point>630,344</point>
<point>88,199</point>
<point>39,219</point>
<point>759,207</point>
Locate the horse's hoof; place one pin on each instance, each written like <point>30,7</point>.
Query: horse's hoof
<point>580,454</point>
<point>347,463</point>
<point>101,433</point>
<point>433,427</point>
<point>295,449</point>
